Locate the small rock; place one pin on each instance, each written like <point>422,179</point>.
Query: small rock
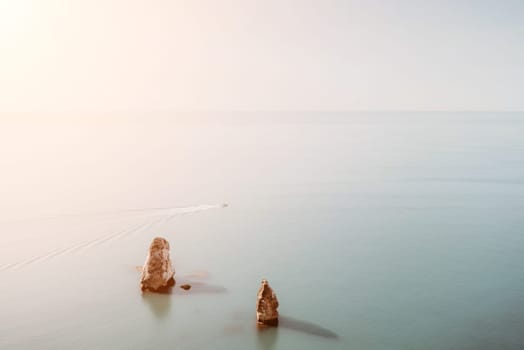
<point>267,305</point>
<point>186,286</point>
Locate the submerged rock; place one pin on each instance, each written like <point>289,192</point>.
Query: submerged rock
<point>157,273</point>
<point>186,286</point>
<point>267,305</point>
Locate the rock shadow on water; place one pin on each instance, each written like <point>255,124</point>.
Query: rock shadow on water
<point>159,303</point>
<point>197,288</point>
<point>266,333</point>
<point>305,327</point>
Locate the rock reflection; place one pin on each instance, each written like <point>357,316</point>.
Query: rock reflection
<point>160,304</point>
<point>305,327</point>
<point>267,338</point>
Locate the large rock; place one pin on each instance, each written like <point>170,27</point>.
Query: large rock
<point>158,273</point>
<point>267,305</point>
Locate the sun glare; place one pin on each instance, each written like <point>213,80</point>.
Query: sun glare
<point>14,18</point>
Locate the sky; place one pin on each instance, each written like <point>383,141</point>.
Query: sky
<point>103,56</point>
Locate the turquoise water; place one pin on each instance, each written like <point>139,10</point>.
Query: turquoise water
<point>376,231</point>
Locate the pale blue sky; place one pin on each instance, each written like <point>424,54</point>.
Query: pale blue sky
<point>101,56</point>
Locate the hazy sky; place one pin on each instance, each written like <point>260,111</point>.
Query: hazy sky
<point>117,55</point>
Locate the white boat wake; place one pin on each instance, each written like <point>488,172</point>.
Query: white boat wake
<point>160,216</point>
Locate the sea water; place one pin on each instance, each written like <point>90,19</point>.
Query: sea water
<point>375,230</point>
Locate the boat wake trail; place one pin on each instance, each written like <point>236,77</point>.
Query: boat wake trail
<point>152,216</point>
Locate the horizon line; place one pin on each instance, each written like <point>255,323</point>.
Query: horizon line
<point>159,112</point>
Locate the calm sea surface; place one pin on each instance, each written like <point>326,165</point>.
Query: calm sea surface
<point>376,231</point>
